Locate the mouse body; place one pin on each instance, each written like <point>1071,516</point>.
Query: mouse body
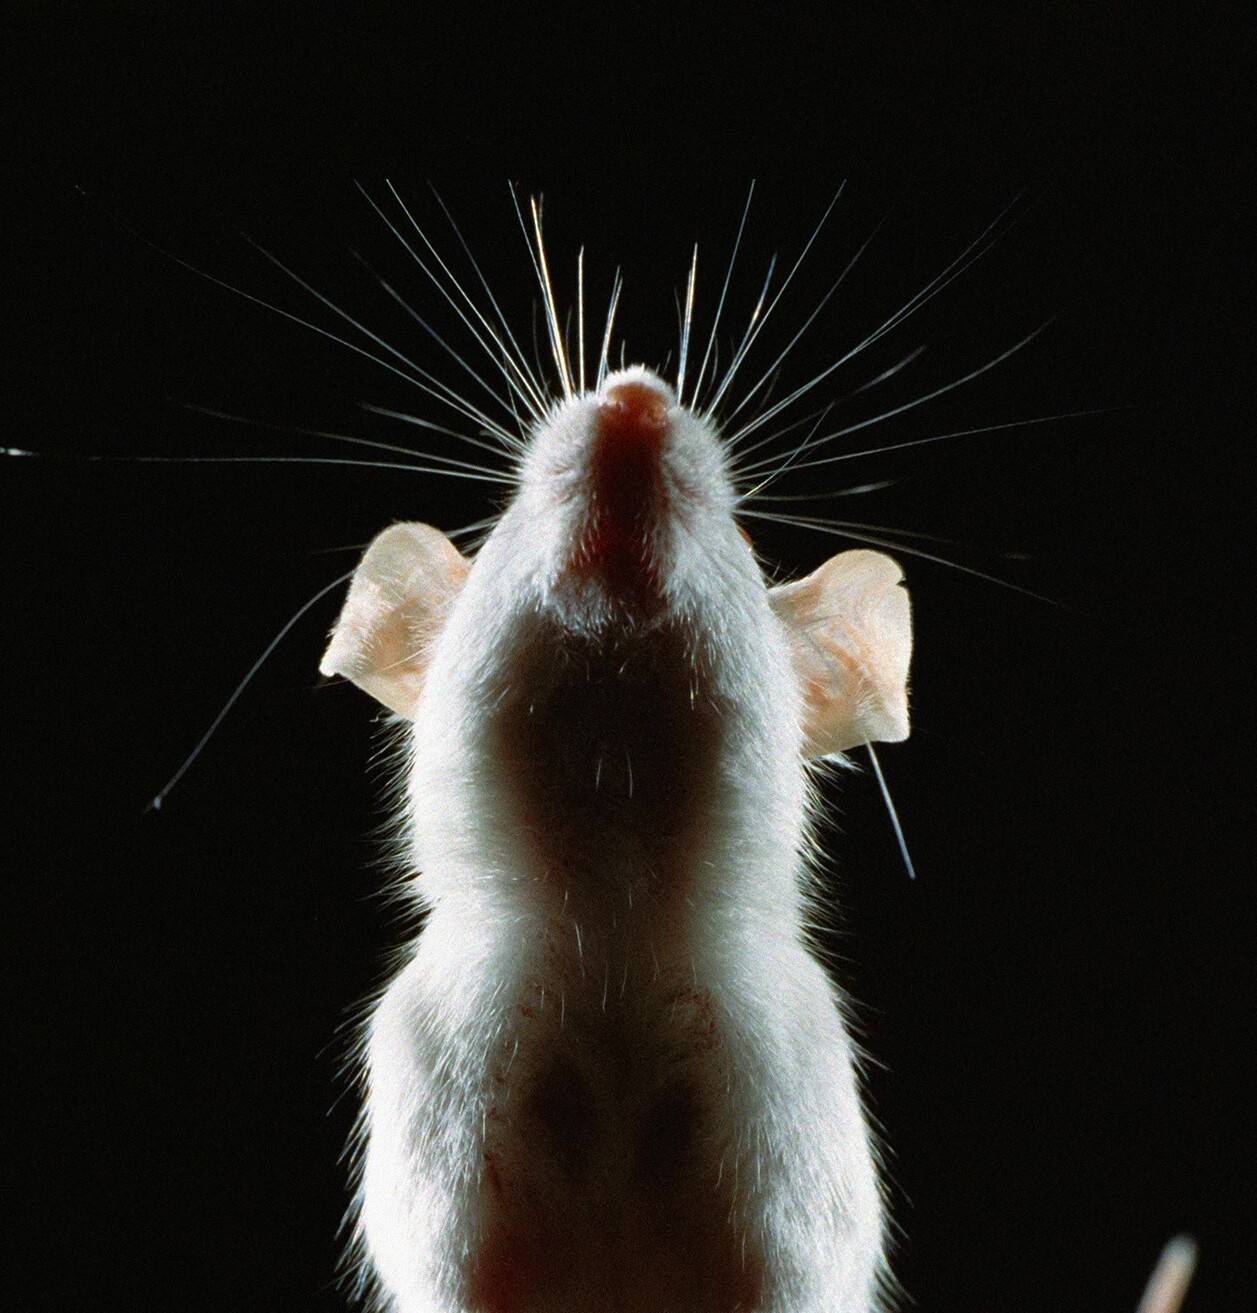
<point>611,1074</point>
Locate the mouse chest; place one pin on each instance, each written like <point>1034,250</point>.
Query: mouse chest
<point>608,1137</point>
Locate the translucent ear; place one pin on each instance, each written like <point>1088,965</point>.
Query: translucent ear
<point>850,630</point>
<point>398,601</point>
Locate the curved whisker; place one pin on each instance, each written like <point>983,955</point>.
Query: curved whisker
<point>442,391</point>
<point>724,291</point>
<point>487,476</point>
<point>339,437</point>
<point>972,253</point>
<point>518,360</point>
<point>420,423</point>
<point>160,796</point>
<point>944,437</point>
<point>793,342</point>
<point>529,398</point>
<point>900,547</point>
<point>749,337</point>
<point>455,355</point>
<point>920,401</point>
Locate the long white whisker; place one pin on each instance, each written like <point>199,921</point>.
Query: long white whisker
<point>770,438</point>
<point>749,339</point>
<point>945,437</point>
<point>720,305</point>
<point>858,490</point>
<point>793,342</point>
<point>516,445</point>
<point>953,271</point>
<point>929,396</point>
<point>898,547</point>
<point>890,808</point>
<point>456,355</point>
<point>442,391</point>
<point>517,378</point>
<point>547,286</point>
<point>617,284</point>
<point>159,797</point>
<point>339,437</point>
<point>580,314</point>
<point>518,360</point>
<point>488,476</point>
<point>793,456</point>
<point>686,322</point>
<point>891,372</point>
<point>1168,1284</point>
<point>810,521</point>
<point>297,319</point>
<point>552,326</point>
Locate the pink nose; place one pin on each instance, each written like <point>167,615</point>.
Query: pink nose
<point>630,429</point>
<point>633,419</point>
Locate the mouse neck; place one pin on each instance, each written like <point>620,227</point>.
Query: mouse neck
<point>627,785</point>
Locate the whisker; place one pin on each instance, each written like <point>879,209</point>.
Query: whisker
<point>339,437</point>
<point>442,391</point>
<point>686,323</point>
<point>749,338</point>
<point>457,356</point>
<point>807,521</point>
<point>525,380</point>
<point>899,547</point>
<point>742,433</point>
<point>944,437</point>
<point>519,360</point>
<point>516,444</point>
<point>776,434</point>
<point>856,490</point>
<point>1169,1281</point>
<point>287,314</point>
<point>720,305</point>
<point>920,401</point>
<point>793,342</point>
<point>794,455</point>
<point>894,815</point>
<point>580,314</point>
<point>489,476</point>
<point>864,387</point>
<point>891,372</point>
<point>160,796</point>
<point>941,280</point>
<point>537,253</point>
<point>617,285</point>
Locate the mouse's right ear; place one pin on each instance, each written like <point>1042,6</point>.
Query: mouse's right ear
<point>398,601</point>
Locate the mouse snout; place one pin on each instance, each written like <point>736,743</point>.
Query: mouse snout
<point>629,434</point>
<point>633,415</point>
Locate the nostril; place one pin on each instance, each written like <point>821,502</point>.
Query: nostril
<point>633,414</point>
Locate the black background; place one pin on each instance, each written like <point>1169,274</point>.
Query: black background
<point>1056,1000</point>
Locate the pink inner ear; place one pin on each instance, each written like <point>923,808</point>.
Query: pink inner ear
<point>398,602</point>
<point>849,627</point>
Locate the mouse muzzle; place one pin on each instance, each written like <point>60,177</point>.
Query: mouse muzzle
<point>627,500</point>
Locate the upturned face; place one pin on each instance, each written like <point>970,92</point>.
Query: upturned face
<point>625,510</point>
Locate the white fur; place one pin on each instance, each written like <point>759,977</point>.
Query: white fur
<point>610,1040</point>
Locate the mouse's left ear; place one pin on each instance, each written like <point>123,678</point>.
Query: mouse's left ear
<point>398,601</point>
<point>849,626</point>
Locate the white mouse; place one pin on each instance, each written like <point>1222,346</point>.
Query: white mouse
<point>611,1074</point>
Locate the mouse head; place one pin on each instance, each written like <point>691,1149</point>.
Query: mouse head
<point>624,521</point>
